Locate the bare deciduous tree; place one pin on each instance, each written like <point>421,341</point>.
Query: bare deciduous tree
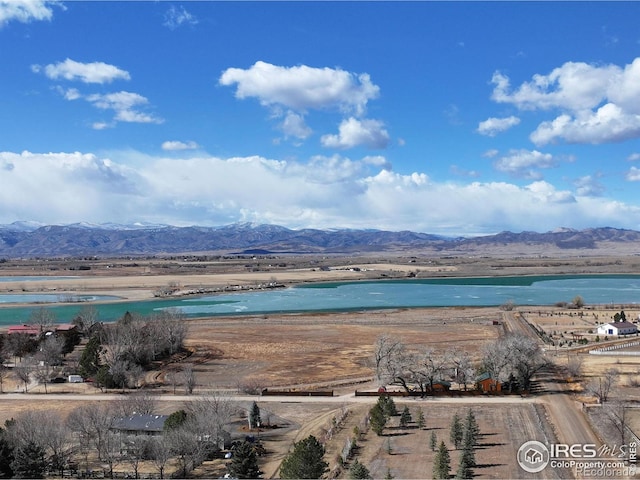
<point>43,318</point>
<point>188,378</point>
<point>138,402</point>
<point>160,449</point>
<point>23,371</point>
<point>173,377</point>
<point>211,412</point>
<point>514,355</point>
<point>136,448</point>
<point>574,366</point>
<point>92,422</point>
<point>20,345</point>
<point>426,368</point>
<point>86,320</point>
<point>465,372</point>
<point>386,351</point>
<point>51,349</point>
<point>601,386</point>
<point>42,371</point>
<point>617,416</point>
<point>4,371</point>
<point>187,448</point>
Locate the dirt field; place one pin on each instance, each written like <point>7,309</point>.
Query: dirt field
<point>324,349</point>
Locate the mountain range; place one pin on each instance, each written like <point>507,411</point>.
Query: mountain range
<point>27,239</point>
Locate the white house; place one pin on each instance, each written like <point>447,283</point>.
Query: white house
<point>617,328</point>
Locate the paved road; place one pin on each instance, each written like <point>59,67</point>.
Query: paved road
<point>339,399</point>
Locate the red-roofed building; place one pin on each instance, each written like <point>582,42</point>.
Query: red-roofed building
<point>63,328</point>
<point>26,329</point>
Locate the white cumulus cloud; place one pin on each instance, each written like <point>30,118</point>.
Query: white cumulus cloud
<point>25,11</point>
<point>176,145</point>
<point>294,125</point>
<point>633,175</point>
<point>301,88</point>
<point>609,123</point>
<point>492,126</point>
<point>597,103</point>
<point>125,105</point>
<point>589,186</point>
<point>93,72</point>
<point>525,163</point>
<point>354,132</point>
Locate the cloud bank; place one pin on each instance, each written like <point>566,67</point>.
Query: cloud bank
<point>325,192</point>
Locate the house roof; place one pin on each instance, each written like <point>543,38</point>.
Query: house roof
<point>483,377</point>
<point>621,325</point>
<point>28,329</point>
<point>35,330</point>
<point>65,327</point>
<point>139,422</point>
<point>442,382</point>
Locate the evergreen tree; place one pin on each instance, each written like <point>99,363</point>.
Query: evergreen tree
<point>90,359</point>
<point>104,379</point>
<point>305,461</point>
<point>358,471</point>
<point>388,405</point>
<point>467,462</point>
<point>6,455</point>
<point>421,420</point>
<point>467,448</point>
<point>29,461</point>
<point>175,420</point>
<point>457,432</point>
<point>244,463</point>
<point>377,419</point>
<point>471,428</point>
<point>405,417</point>
<point>254,416</point>
<point>468,458</point>
<point>442,463</point>
<point>433,441</point>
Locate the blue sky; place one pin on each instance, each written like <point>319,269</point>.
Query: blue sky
<point>455,118</point>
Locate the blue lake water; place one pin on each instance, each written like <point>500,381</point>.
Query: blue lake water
<point>345,296</point>
<point>52,298</point>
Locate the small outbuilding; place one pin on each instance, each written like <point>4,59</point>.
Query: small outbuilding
<point>440,386</point>
<point>486,383</point>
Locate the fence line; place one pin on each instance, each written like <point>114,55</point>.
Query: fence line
<point>614,349</point>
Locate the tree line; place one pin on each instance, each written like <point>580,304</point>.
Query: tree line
<point>513,359</point>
